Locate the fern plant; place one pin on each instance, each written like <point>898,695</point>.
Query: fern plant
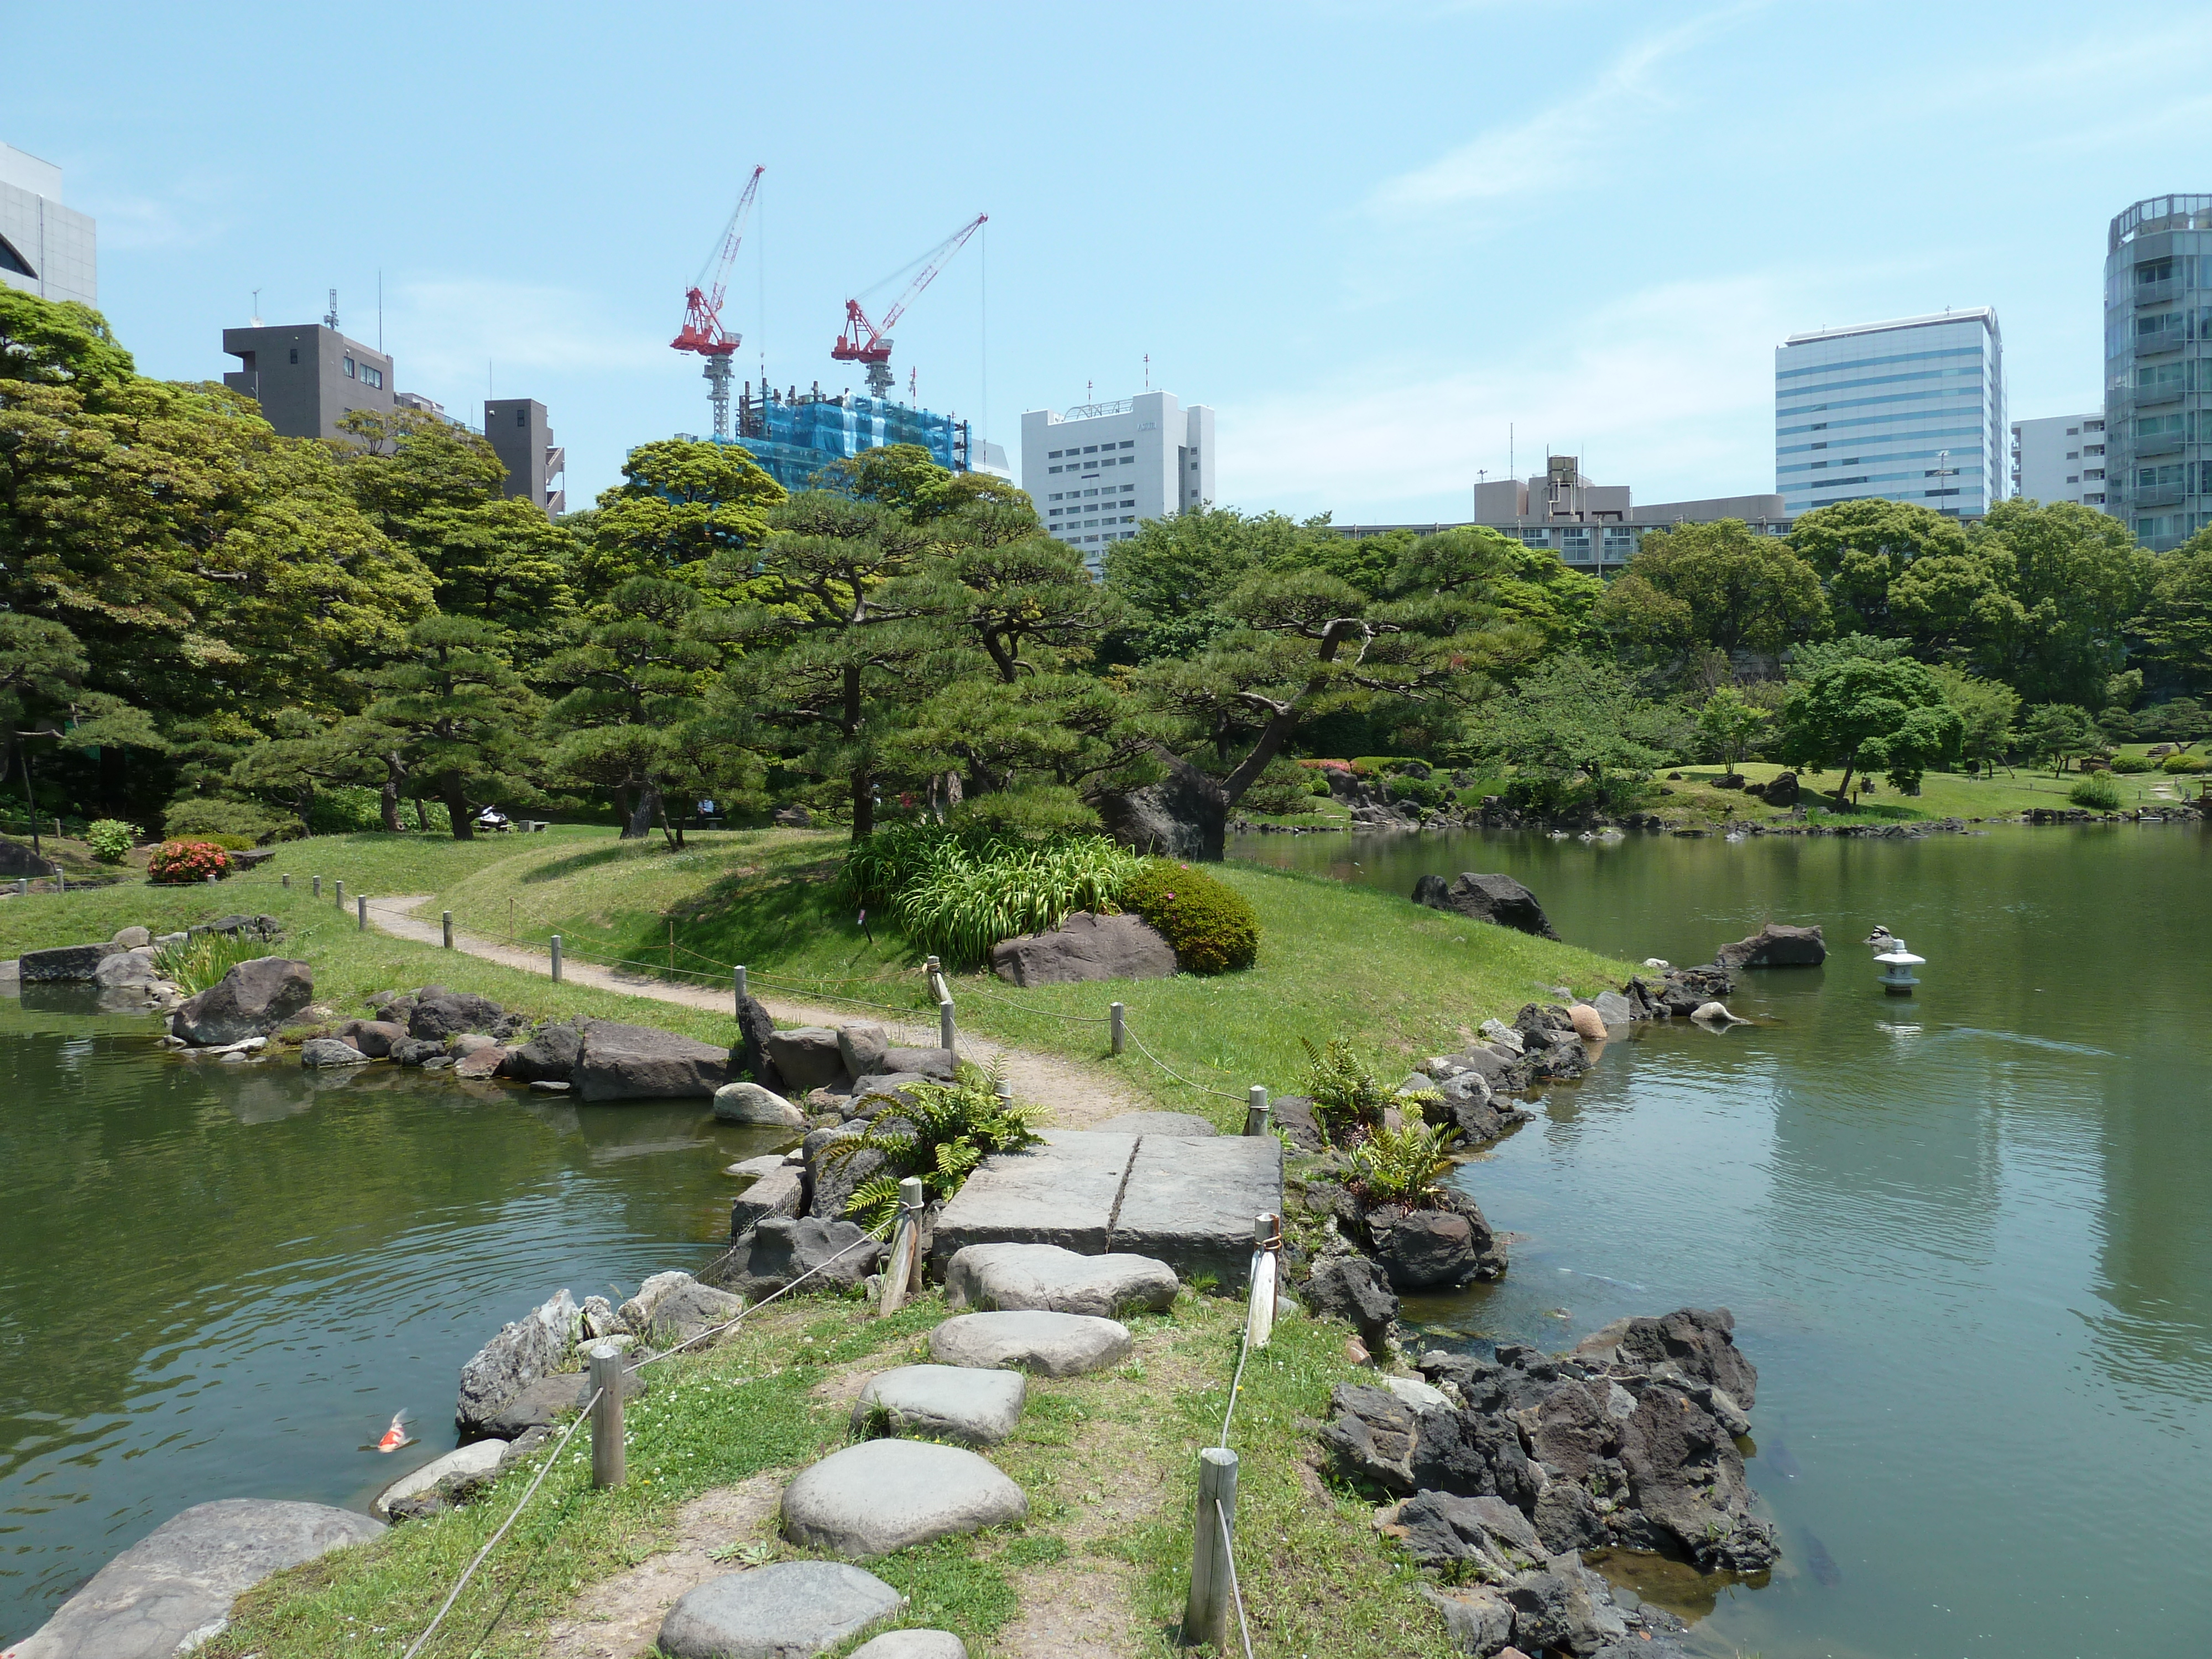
<point>1403,1165</point>
<point>941,1136</point>
<point>1348,1097</point>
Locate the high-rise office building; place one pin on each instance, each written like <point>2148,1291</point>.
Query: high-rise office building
<point>2158,368</point>
<point>516,429</point>
<point>1099,471</point>
<point>2060,457</point>
<point>1909,411</point>
<point>45,248</point>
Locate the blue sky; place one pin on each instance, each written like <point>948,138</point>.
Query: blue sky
<point>1370,235</point>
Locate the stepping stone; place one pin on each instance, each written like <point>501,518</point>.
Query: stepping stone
<point>965,1404</point>
<point>472,1459</point>
<point>1012,1276</point>
<point>913,1644</point>
<point>775,1612</point>
<point>881,1495</point>
<point>1061,1192</point>
<point>1176,1125</point>
<point>1191,1202</point>
<point>1049,1344</point>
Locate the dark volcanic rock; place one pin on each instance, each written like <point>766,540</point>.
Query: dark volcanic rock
<point>1698,1343</point>
<point>1184,816</point>
<point>436,1019</point>
<point>1487,898</point>
<point>374,1037</point>
<point>1085,947</point>
<point>755,1027</point>
<point>549,1056</point>
<point>779,1249</point>
<point>806,1058</point>
<point>1436,1248</point>
<point>1775,945</point>
<point>635,1062</point>
<point>1357,1291</point>
<point>1294,1115</point>
<point>253,1000</point>
<point>1783,789</point>
<point>64,965</point>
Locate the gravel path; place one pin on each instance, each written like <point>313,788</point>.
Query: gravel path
<point>1074,1094</point>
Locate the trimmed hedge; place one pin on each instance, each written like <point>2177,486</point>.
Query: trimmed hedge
<point>1209,924</point>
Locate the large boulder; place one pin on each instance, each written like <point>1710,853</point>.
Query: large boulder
<point>522,1351</point>
<point>755,1028</point>
<point>549,1056</point>
<point>321,1054</point>
<point>635,1062</point>
<point>478,1457</point>
<point>1428,1249</point>
<point>781,1250</point>
<point>831,1181</point>
<point>861,1048</point>
<point>1783,789</point>
<point>374,1037</point>
<point>1185,816</point>
<point>126,970</point>
<point>172,1590</point>
<point>252,1000</point>
<point>778,1612</point>
<point>750,1103</point>
<point>1775,945</point>
<point>1085,947</point>
<point>17,861</point>
<point>882,1496</point>
<point>436,1018</point>
<point>66,963</point>
<point>1698,1343</point>
<point>806,1058</point>
<point>670,1308</point>
<point>1016,1276</point>
<point>1357,1291</point>
<point>1487,898</point>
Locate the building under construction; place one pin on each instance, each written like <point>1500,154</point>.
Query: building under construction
<point>794,434</point>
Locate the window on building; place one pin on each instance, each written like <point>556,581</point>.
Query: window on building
<point>2072,430</point>
<point>2073,454</point>
<point>1128,443</point>
<point>2093,449</point>
<point>1052,469</point>
<point>2154,270</point>
<point>1052,455</point>
<point>373,376</point>
<point>1090,449</point>
<point>2094,472</point>
<point>1823,444</point>
<point>2073,478</point>
<point>348,368</point>
<point>2093,426</point>
<point>1128,460</point>
<point>295,354</point>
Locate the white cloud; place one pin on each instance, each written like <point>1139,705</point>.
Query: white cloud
<point>1669,390</point>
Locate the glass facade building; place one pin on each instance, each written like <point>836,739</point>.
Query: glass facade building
<point>2158,368</point>
<point>1910,410</point>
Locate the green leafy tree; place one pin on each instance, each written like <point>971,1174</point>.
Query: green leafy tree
<point>686,511</point>
<point>43,701</point>
<point>2079,579</point>
<point>1722,586</point>
<point>1575,718</point>
<point>2059,733</point>
<point>461,715</point>
<point>2175,622</point>
<point>1987,709</point>
<point>1862,714</point>
<point>1731,722</point>
<point>630,691</point>
<point>1861,548</point>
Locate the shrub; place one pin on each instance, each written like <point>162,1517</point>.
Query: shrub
<point>1403,1165</point>
<point>955,892</point>
<point>2179,764</point>
<point>941,1136</point>
<point>1041,810</point>
<point>2097,792</point>
<point>349,809</point>
<point>1282,787</point>
<point>203,960</point>
<point>1209,924</point>
<point>2129,763</point>
<point>1422,791</point>
<point>1379,766</point>
<point>176,861</point>
<point>198,818</point>
<point>110,840</point>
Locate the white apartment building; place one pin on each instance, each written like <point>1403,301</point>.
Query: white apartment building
<point>1908,410</point>
<point>45,248</point>
<point>1101,469</point>
<point>2060,457</point>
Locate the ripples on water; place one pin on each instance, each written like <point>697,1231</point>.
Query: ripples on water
<point>1966,1239</point>
<point>220,1281</point>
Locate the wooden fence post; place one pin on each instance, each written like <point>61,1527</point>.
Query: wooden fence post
<point>737,976</point>
<point>1117,1022</point>
<point>339,902</point>
<point>1255,1110</point>
<point>557,958</point>
<point>900,1272</point>
<point>319,887</point>
<point>1260,1314</point>
<point>448,924</point>
<point>944,1031</point>
<point>607,1468</point>
<point>1205,1616</point>
<point>360,909</point>
<point>286,878</point>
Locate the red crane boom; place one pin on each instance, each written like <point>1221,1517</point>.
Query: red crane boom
<point>702,331</point>
<point>865,342</point>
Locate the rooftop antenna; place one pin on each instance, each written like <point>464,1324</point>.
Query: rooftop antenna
<point>1148,371</point>
<point>380,307</point>
<point>330,317</point>
<point>257,307</point>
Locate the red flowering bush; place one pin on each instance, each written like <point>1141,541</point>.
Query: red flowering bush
<point>187,860</point>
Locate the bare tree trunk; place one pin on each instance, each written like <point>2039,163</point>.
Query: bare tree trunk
<point>389,801</point>
<point>864,803</point>
<point>457,807</point>
<point>639,824</point>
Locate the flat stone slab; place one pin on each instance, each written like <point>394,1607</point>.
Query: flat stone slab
<point>752,1168</point>
<point>1049,1344</point>
<point>1175,1125</point>
<point>881,1495</point>
<point>178,1581</point>
<point>913,1644</point>
<point>969,1405</point>
<point>792,1610</point>
<point>1061,1192</point>
<point>1010,1277</point>
<point>1190,1203</point>
<point>473,1459</point>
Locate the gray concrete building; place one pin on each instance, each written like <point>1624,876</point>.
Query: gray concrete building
<point>1594,527</point>
<point>2060,457</point>
<point>2158,368</point>
<point>304,376</point>
<point>45,248</point>
<point>516,428</point>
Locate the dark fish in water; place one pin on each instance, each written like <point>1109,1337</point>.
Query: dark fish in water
<point>1825,1569</point>
<point>1777,1457</point>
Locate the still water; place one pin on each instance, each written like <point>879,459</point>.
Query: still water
<point>1967,1238</point>
<point>222,1281</point>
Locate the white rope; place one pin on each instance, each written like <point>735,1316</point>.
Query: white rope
<point>1229,1560</point>
<point>1222,1093</point>
<point>1243,1348</point>
<point>714,1330</point>
<point>461,1583</point>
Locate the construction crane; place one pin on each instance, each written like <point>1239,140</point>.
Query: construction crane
<point>702,330</point>
<point>868,342</point>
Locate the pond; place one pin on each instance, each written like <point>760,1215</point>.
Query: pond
<point>1967,1238</point>
<point>220,1281</point>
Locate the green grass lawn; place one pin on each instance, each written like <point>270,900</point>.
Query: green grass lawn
<point>1942,795</point>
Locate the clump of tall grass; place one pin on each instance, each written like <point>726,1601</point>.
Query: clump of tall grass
<point>955,893</point>
<point>195,964</point>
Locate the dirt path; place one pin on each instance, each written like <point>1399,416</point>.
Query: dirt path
<point>1074,1094</point>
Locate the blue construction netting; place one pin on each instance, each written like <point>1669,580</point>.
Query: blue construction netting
<point>794,440</point>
